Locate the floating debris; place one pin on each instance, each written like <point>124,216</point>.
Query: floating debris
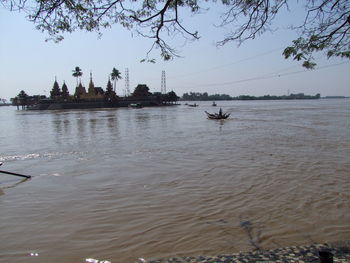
<point>34,254</point>
<point>92,260</point>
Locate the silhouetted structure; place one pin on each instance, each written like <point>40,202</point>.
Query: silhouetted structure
<point>94,97</point>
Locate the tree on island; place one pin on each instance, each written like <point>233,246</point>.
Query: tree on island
<point>115,75</point>
<point>22,99</point>
<point>65,92</point>
<point>110,94</point>
<point>141,91</point>
<point>14,101</point>
<point>172,97</point>
<point>77,73</point>
<point>324,27</point>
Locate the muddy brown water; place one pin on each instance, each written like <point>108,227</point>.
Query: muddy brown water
<point>120,184</point>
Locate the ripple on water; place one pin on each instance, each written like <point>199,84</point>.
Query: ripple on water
<point>121,184</point>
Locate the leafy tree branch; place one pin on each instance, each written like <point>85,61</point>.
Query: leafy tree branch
<point>326,26</point>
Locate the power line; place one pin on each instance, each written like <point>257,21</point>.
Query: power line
<point>226,65</point>
<point>266,76</point>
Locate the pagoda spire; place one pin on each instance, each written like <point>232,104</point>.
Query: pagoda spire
<point>91,89</point>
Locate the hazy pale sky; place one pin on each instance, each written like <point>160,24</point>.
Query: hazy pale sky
<point>257,67</point>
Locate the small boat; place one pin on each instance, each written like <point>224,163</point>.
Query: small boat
<point>214,104</point>
<point>135,105</point>
<point>218,116</point>
<point>193,105</point>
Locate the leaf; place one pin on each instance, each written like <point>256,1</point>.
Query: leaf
<point>288,51</point>
<point>330,53</point>
<point>309,65</point>
<point>299,56</point>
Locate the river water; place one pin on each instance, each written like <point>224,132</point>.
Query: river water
<point>120,184</point>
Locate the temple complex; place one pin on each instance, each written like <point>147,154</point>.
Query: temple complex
<point>93,97</point>
<point>93,92</point>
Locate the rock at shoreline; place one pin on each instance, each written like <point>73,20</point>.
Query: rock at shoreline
<point>300,254</point>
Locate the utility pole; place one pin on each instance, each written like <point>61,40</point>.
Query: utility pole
<point>163,83</point>
<point>127,82</point>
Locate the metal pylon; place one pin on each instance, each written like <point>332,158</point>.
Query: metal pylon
<point>163,83</point>
<point>127,82</point>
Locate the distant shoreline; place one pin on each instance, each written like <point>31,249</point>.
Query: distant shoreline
<point>196,96</point>
<point>322,98</point>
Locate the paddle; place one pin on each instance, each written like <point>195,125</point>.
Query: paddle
<point>16,174</point>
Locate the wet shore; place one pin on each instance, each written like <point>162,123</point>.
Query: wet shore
<point>340,253</point>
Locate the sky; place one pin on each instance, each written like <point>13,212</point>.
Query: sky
<point>257,67</point>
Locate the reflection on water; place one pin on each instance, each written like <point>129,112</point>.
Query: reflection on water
<point>122,184</point>
<point>10,182</point>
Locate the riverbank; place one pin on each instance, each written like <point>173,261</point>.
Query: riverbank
<point>300,254</point>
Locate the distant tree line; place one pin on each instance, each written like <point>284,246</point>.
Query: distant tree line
<point>3,101</point>
<point>197,96</point>
<point>298,96</point>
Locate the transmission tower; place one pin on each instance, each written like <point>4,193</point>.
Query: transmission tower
<point>163,83</point>
<point>127,82</point>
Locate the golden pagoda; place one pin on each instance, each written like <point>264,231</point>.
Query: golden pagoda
<point>93,93</point>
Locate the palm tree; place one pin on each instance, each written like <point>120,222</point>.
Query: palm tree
<point>77,73</point>
<point>115,75</point>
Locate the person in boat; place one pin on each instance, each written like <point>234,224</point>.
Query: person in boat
<point>217,116</point>
<point>220,113</point>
